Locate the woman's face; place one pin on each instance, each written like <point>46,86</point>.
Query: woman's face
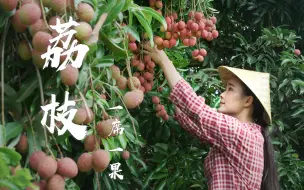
<point>232,100</point>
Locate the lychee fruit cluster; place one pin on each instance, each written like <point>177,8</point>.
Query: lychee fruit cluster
<point>29,16</point>
<point>157,5</point>
<point>135,96</point>
<point>98,161</point>
<point>160,109</point>
<point>199,54</point>
<point>197,27</point>
<point>53,171</point>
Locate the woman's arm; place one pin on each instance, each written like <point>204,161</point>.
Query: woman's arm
<point>187,124</point>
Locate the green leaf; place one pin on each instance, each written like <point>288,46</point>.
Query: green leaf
<point>7,183</point>
<point>115,11</point>
<point>14,142</point>
<point>296,83</point>
<point>2,136</point>
<point>161,185</point>
<point>4,168</point>
<point>132,31</point>
<point>27,89</point>
<point>123,141</point>
<point>145,24</point>
<point>160,176</point>
<point>13,156</point>
<point>13,129</point>
<point>156,15</point>
<point>105,61</point>
<point>8,90</point>
<point>285,81</point>
<point>298,112</point>
<point>127,5</point>
<point>131,166</point>
<point>117,51</point>
<point>196,185</point>
<point>22,178</point>
<point>5,15</point>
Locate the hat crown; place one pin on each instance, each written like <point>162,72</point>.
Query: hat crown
<point>257,82</point>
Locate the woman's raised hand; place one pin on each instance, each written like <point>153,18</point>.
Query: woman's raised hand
<point>158,56</point>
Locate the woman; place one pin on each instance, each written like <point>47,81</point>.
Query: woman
<point>242,156</point>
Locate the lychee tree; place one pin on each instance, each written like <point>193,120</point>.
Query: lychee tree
<point>157,152</point>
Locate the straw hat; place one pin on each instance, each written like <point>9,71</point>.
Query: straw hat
<point>257,82</point>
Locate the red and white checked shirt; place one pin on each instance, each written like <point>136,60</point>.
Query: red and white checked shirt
<point>236,159</point>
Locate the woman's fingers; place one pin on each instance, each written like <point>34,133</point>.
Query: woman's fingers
<point>146,52</point>
<point>147,46</point>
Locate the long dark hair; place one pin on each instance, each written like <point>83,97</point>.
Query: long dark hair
<point>270,180</point>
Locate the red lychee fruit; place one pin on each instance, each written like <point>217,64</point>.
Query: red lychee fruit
<point>155,100</point>
<point>17,24</point>
<point>22,145</point>
<point>47,167</point>
<point>200,58</point>
<point>24,50</point>
<point>198,16</point>
<point>69,75</point>
<point>100,160</point>
<point>84,162</point>
<point>135,82</point>
<point>67,167</point>
<point>38,26</point>
<point>158,40</point>
<point>297,52</point>
<point>8,5</point>
<point>59,6</point>
<point>132,46</point>
<point>195,53</point>
<point>158,4</point>
<point>41,41</point>
<point>122,82</point>
<point>85,12</point>
<point>181,25</point>
<point>35,158</point>
<point>215,33</point>
<point>80,116</point>
<point>140,66</point>
<point>194,27</point>
<point>29,13</point>
<point>133,98</point>
<point>90,143</point>
<point>83,31</point>
<point>56,182</point>
<point>213,19</point>
<point>53,20</point>
<point>203,52</point>
<point>125,155</point>
<point>37,60</point>
<point>192,41</point>
<point>191,14</point>
<point>115,72</point>
<point>166,43</point>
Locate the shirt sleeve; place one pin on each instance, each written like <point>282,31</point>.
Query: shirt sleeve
<point>221,130</point>
<point>188,125</point>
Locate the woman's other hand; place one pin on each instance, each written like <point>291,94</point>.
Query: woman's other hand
<point>158,56</point>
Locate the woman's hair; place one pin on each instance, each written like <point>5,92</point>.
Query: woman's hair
<point>270,179</point>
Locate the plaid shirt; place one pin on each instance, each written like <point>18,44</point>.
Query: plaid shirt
<point>236,159</point>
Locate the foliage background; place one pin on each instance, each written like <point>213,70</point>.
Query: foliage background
<point>254,34</point>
